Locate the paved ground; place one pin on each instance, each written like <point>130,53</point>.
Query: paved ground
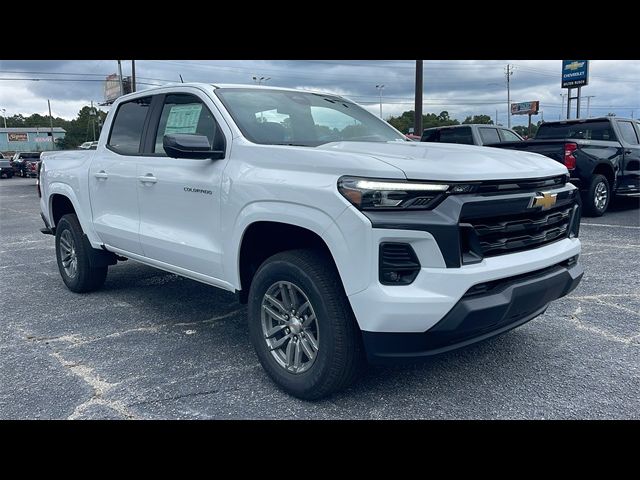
<point>154,345</point>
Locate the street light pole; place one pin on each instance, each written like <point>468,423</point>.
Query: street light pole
<point>509,72</point>
<point>260,80</point>
<point>561,108</point>
<point>4,117</point>
<point>380,87</point>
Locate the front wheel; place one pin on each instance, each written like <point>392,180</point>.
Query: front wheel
<point>596,199</point>
<point>73,257</point>
<point>301,325</point>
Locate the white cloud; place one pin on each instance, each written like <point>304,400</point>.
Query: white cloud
<point>467,87</point>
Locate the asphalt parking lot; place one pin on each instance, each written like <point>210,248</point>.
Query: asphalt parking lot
<point>153,345</point>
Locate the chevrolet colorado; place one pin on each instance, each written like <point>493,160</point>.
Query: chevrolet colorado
<point>347,241</point>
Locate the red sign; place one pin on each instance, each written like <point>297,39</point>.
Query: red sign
<point>17,137</point>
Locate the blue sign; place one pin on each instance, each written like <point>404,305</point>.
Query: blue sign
<point>575,73</point>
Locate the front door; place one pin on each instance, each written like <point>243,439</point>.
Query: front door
<point>112,178</point>
<point>630,179</point>
<point>179,198</point>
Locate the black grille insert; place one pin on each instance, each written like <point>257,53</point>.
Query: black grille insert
<point>513,233</point>
<point>399,264</point>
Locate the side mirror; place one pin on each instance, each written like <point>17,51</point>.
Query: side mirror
<point>197,147</point>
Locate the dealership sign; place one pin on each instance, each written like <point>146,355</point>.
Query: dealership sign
<point>17,137</point>
<point>575,73</point>
<point>525,108</point>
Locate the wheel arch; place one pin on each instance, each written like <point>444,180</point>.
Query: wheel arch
<point>293,226</point>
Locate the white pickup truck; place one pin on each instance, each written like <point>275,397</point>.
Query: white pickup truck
<point>347,241</point>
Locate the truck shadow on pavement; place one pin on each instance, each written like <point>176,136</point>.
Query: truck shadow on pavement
<point>173,302</point>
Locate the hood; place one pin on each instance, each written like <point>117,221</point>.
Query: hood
<point>453,162</point>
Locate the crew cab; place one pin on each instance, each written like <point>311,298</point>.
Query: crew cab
<point>470,134</point>
<point>602,155</point>
<point>347,241</point>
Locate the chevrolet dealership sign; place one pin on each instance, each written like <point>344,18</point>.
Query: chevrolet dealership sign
<point>575,73</point>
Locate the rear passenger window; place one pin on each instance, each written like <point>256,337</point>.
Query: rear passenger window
<point>489,135</point>
<point>184,113</point>
<point>450,135</point>
<point>628,133</point>
<point>126,130</point>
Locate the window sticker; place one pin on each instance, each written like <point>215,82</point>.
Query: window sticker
<point>183,118</point>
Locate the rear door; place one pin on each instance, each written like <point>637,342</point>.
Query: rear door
<point>112,178</point>
<point>630,139</point>
<point>179,198</point>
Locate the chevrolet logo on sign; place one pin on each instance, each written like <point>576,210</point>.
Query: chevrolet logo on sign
<point>544,200</point>
<point>573,65</point>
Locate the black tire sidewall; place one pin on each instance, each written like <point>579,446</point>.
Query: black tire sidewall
<point>86,278</point>
<point>593,210</point>
<point>280,270</point>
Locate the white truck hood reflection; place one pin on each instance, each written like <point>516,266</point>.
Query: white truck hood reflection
<point>452,162</point>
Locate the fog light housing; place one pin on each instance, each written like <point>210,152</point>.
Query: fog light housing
<point>398,264</point>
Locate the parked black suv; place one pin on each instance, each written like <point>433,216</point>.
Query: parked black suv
<point>602,155</point>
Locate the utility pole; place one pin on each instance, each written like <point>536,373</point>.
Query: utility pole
<point>417,121</point>
<point>589,97</point>
<point>93,121</point>
<point>133,76</point>
<point>120,77</point>
<point>4,116</point>
<point>53,143</point>
<point>508,73</point>
<point>496,116</point>
<point>578,102</point>
<point>380,87</point>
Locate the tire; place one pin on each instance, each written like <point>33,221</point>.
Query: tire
<point>69,238</point>
<point>596,199</point>
<point>10,175</point>
<point>339,357</point>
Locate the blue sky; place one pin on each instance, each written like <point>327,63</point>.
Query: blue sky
<point>462,87</point>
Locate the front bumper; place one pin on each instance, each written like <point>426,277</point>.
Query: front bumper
<point>497,307</point>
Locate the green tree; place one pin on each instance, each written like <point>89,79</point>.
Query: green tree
<point>481,119</point>
<point>405,121</point>
<point>79,130</point>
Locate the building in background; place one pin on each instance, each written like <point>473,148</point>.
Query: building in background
<point>29,139</point>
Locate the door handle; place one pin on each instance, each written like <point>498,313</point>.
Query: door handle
<point>148,178</point>
<point>101,174</point>
<point>628,152</point>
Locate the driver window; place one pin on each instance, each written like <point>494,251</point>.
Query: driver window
<point>184,113</point>
<point>332,125</point>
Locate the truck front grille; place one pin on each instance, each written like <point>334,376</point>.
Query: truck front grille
<point>490,236</point>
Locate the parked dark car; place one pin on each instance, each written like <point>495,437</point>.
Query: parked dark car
<point>472,134</point>
<point>6,170</point>
<point>602,155</point>
<point>25,164</point>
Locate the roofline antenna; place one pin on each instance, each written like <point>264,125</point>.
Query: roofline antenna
<point>181,80</point>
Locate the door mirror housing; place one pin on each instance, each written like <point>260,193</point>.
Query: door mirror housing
<point>197,147</point>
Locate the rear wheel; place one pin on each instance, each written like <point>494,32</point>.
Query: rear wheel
<point>301,325</point>
<point>73,257</point>
<point>595,200</point>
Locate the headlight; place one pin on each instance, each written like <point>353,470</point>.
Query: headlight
<point>375,194</point>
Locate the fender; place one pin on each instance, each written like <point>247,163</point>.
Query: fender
<point>59,188</point>
<point>311,218</point>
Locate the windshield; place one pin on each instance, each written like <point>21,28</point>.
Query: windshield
<point>280,117</point>
<point>593,130</point>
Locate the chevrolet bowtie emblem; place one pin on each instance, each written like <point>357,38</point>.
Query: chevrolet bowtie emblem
<point>544,199</point>
<point>573,65</point>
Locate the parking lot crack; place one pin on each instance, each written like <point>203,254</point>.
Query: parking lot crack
<point>580,325</point>
<point>99,386</point>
